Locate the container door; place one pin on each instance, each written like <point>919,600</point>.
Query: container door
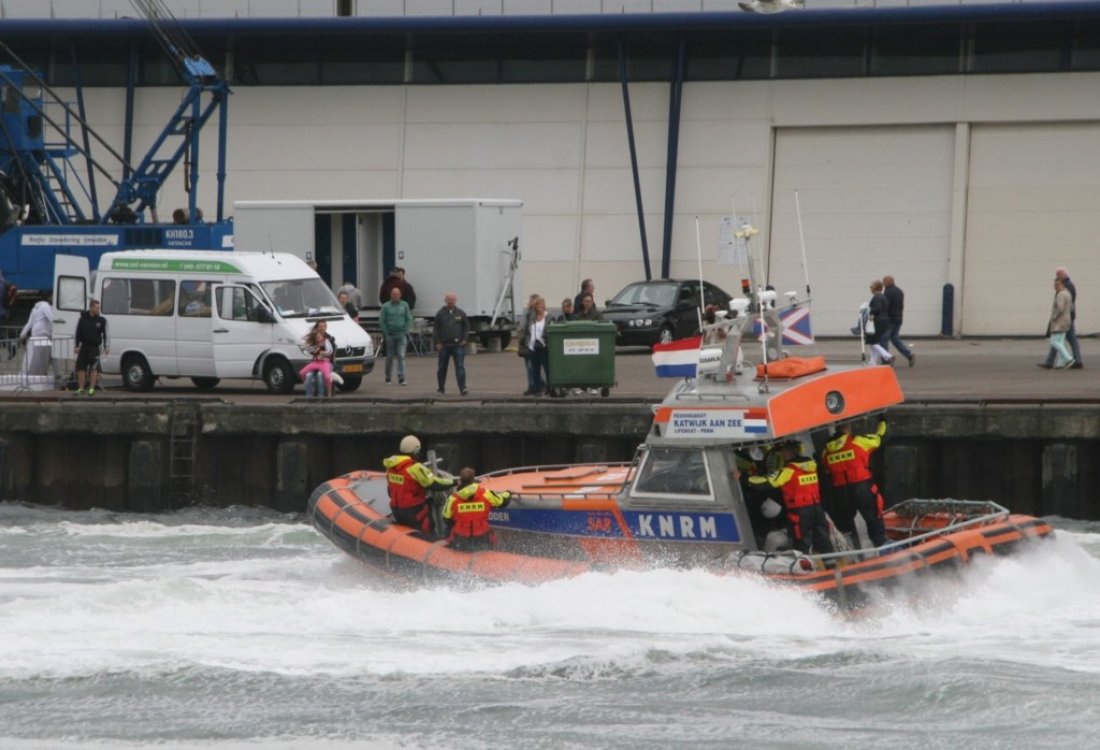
<point>243,327</point>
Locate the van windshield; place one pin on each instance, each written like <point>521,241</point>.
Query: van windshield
<point>301,298</point>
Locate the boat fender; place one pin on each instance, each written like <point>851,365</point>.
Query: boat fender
<point>770,508</point>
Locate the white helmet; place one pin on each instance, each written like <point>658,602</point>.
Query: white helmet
<point>770,508</point>
<point>410,444</point>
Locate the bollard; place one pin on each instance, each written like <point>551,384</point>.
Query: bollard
<point>947,324</point>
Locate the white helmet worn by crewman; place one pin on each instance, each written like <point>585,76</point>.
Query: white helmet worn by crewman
<point>410,445</point>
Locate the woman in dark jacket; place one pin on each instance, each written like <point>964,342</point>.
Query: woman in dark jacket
<point>880,317</point>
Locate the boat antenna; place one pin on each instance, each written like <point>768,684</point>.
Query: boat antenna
<point>802,242</point>
<point>746,232</point>
<point>699,260</point>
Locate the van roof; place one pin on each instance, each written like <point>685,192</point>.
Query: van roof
<point>261,266</point>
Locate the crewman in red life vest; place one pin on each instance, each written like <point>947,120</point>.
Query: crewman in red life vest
<point>408,482</point>
<point>847,460</point>
<point>796,479</point>
<point>467,510</point>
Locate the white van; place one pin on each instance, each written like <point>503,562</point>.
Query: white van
<point>208,315</point>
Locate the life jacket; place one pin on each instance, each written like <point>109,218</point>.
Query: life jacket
<point>801,490</point>
<point>405,491</point>
<point>847,461</point>
<point>469,508</point>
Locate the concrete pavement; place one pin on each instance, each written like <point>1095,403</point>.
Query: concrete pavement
<point>968,370</point>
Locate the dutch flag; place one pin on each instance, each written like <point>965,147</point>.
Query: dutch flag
<point>679,359</point>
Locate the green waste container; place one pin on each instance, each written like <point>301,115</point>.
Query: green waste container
<point>582,355</point>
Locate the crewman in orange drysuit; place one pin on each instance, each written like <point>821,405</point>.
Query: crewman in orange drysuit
<point>408,482</point>
<point>797,480</point>
<point>467,510</point>
<point>847,460</point>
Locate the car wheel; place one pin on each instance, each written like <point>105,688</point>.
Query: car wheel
<point>666,335</point>
<point>136,373</point>
<point>278,376</point>
<point>351,383</point>
<point>205,384</point>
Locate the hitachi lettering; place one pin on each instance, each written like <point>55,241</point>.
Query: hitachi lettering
<point>676,526</point>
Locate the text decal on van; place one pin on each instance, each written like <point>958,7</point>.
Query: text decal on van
<point>190,266</point>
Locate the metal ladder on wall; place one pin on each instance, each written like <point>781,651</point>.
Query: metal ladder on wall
<point>183,448</point>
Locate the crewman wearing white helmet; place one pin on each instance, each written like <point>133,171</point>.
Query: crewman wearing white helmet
<point>408,482</point>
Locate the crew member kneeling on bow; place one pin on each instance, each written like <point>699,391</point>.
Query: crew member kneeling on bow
<point>847,459</point>
<point>467,510</point>
<point>797,480</point>
<point>408,482</point>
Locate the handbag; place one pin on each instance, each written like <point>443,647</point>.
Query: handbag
<point>522,351</point>
<point>869,327</point>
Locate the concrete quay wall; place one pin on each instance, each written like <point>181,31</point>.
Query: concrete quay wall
<point>150,456</point>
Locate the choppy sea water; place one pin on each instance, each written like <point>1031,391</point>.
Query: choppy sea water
<point>232,629</point>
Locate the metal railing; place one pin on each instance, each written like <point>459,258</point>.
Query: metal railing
<point>40,363</point>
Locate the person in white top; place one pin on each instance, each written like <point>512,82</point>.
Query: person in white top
<point>37,336</point>
<point>538,355</point>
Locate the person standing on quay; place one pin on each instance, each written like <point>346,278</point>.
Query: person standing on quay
<point>397,279</point>
<point>1071,334</point>
<point>40,328</point>
<point>450,331</point>
<point>895,309</point>
<point>395,320</point>
<point>1060,322</point>
<point>587,287</point>
<point>91,335</point>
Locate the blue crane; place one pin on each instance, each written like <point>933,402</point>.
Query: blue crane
<point>49,197</point>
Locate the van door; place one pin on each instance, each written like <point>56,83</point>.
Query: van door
<point>71,294</point>
<point>243,327</point>
<point>194,344</point>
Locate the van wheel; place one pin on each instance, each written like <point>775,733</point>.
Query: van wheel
<point>278,376</point>
<point>136,374</point>
<point>351,383</point>
<point>205,384</point>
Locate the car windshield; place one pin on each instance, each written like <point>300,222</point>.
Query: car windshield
<point>658,295</point>
<point>301,298</point>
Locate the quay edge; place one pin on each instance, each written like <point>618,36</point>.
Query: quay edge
<point>156,455</point>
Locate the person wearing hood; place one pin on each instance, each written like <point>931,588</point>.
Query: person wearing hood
<point>847,460</point>
<point>797,480</point>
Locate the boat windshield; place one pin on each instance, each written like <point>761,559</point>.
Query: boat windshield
<point>670,472</point>
<point>302,298</point>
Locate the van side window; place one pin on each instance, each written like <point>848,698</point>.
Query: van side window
<point>235,303</point>
<point>194,299</point>
<point>143,296</point>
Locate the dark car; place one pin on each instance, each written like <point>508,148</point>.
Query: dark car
<point>648,312</point>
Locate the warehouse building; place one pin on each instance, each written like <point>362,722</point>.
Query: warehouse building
<point>952,146</point>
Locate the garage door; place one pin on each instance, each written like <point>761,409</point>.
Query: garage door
<point>1034,205</point>
<point>875,201</point>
